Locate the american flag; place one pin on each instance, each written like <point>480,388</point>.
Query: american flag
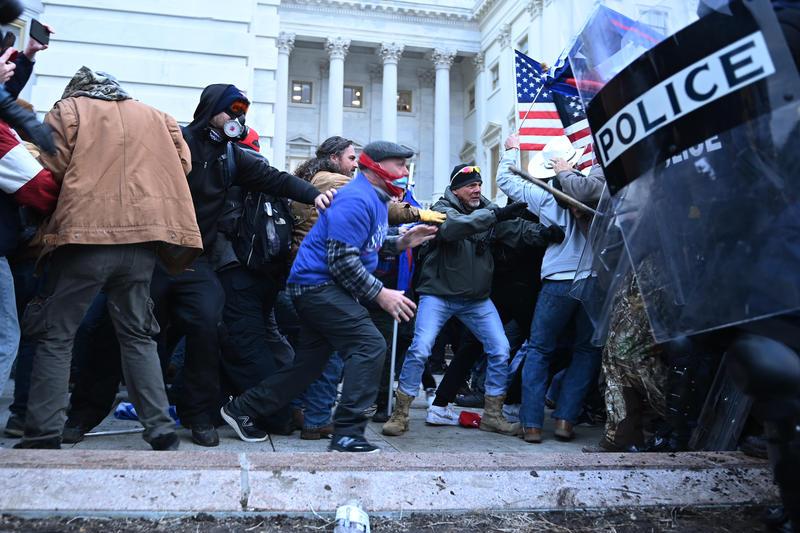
<point>556,112</point>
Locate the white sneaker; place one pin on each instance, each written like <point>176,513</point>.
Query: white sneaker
<point>430,395</point>
<point>441,416</point>
<point>511,412</point>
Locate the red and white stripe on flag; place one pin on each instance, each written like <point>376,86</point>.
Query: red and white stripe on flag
<point>538,126</point>
<point>580,136</point>
<point>542,124</point>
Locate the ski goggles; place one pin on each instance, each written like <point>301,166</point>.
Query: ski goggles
<point>238,108</point>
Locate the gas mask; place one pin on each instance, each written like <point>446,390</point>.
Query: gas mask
<point>235,128</point>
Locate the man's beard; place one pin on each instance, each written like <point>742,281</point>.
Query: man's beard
<point>339,170</point>
<point>474,204</point>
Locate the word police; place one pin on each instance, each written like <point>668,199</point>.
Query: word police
<point>729,69</point>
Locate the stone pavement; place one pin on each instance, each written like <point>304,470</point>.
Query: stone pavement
<point>421,438</point>
<point>427,470</point>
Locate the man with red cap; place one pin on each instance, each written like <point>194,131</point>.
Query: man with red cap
<point>330,276</point>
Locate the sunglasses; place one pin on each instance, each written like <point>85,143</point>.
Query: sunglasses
<point>467,170</point>
<point>238,108</point>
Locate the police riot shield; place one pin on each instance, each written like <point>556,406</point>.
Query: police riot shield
<point>602,268</point>
<point>698,138</point>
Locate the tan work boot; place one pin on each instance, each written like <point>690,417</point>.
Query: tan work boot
<point>398,422</point>
<point>493,419</point>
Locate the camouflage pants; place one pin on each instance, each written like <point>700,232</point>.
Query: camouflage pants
<point>633,367</point>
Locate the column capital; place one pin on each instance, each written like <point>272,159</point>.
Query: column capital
<point>505,35</point>
<point>443,58</point>
<point>535,7</point>
<point>337,47</point>
<point>426,77</point>
<point>479,62</point>
<point>390,52</point>
<point>285,42</point>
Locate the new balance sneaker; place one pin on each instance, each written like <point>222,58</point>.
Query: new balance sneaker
<point>351,443</point>
<point>242,424</point>
<point>441,416</point>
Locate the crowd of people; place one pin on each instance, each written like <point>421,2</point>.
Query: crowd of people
<point>179,261</point>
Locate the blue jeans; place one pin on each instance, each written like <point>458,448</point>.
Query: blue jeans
<point>554,311</point>
<point>9,332</point>
<point>319,397</point>
<point>479,316</point>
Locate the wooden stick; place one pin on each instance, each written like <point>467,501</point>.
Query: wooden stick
<point>555,192</point>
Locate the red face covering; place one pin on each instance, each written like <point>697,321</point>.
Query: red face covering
<point>387,177</point>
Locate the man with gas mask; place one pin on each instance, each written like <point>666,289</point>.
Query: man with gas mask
<point>331,275</point>
<point>193,301</point>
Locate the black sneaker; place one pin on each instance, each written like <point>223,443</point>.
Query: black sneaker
<point>381,415</point>
<point>166,442</point>
<point>53,443</point>
<point>242,424</point>
<point>351,443</point>
<point>15,427</point>
<point>73,433</point>
<point>205,435</point>
<point>473,399</point>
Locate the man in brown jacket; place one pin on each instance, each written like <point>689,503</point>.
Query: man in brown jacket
<point>124,201</point>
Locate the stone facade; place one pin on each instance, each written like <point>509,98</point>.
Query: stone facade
<point>449,62</point>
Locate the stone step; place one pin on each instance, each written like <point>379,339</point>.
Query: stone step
<point>144,484</point>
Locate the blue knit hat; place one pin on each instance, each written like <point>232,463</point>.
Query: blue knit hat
<point>231,95</point>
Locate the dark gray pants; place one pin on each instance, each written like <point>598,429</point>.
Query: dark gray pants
<point>332,321</point>
<point>76,274</point>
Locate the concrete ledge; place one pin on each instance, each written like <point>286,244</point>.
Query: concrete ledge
<point>143,483</point>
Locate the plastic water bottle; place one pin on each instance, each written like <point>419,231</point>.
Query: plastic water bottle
<point>351,518</point>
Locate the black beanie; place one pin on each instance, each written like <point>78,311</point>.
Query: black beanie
<point>458,179</point>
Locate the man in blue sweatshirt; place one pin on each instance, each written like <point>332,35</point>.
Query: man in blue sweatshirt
<point>330,279</point>
<point>555,310</point>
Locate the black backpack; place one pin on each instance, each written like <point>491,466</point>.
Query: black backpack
<point>263,231</point>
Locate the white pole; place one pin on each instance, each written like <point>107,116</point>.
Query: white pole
<point>391,369</point>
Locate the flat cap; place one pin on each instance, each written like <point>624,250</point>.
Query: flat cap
<point>380,150</point>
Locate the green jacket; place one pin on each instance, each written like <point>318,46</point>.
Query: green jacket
<point>459,262</point>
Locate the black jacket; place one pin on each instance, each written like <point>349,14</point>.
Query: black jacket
<point>459,262</point>
<point>207,180</point>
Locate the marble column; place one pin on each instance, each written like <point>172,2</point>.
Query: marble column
<point>480,114</point>
<point>390,54</point>
<point>535,30</point>
<point>337,48</point>
<point>285,44</point>
<point>507,74</point>
<point>442,61</point>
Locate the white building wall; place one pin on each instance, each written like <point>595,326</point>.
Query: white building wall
<point>164,53</point>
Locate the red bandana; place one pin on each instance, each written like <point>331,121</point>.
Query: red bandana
<point>387,177</point>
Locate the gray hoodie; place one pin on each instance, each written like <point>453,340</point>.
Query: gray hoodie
<point>559,259</point>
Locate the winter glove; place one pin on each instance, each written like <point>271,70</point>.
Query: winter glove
<point>511,211</point>
<point>431,217</point>
<point>26,123</point>
<point>553,234</point>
